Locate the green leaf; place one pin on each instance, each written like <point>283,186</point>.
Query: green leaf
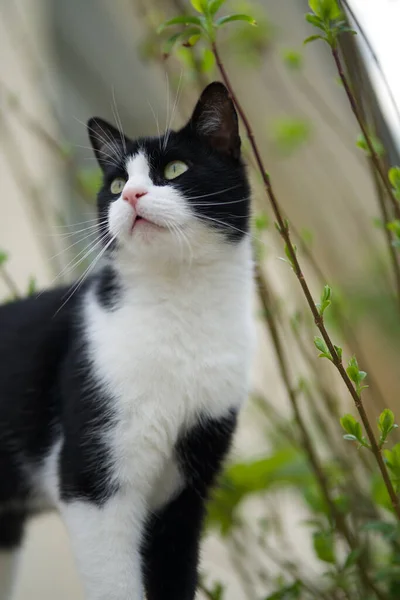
<point>315,21</point>
<point>320,344</point>
<point>182,20</point>
<point>214,6</point>
<point>325,299</point>
<point>182,36</point>
<point>323,542</point>
<point>229,18</point>
<point>208,61</point>
<point>375,142</point>
<point>389,531</point>
<point>339,351</point>
<point>386,424</point>
<point>289,254</point>
<point>394,177</point>
<point>314,5</point>
<point>312,38</point>
<point>199,5</point>
<point>328,10</point>
<point>350,437</point>
<point>287,592</point>
<point>352,426</point>
<point>3,257</point>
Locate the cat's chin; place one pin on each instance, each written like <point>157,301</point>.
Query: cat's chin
<point>142,225</point>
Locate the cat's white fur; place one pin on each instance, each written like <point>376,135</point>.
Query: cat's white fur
<point>179,345</point>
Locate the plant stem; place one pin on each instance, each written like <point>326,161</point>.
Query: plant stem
<point>341,524</point>
<point>373,154</point>
<point>285,233</point>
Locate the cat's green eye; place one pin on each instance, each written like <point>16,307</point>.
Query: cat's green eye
<point>174,169</point>
<point>117,185</point>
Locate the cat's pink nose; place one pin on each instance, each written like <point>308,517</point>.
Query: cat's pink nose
<point>133,194</point>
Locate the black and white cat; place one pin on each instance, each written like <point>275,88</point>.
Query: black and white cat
<point>118,406</point>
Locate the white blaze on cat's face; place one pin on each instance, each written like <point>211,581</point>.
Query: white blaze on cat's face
<point>146,214</point>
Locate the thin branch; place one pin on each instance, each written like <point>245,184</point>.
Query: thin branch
<point>374,156</point>
<point>341,524</point>
<point>285,233</point>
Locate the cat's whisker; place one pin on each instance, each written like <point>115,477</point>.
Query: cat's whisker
<point>79,223</point>
<point>177,98</point>
<point>113,146</point>
<point>247,233</point>
<point>86,273</point>
<point>107,141</point>
<point>168,107</point>
<point>174,229</point>
<point>86,251</point>
<point>69,234</point>
<point>74,262</point>
<point>221,203</point>
<point>66,235</point>
<point>186,239</point>
<point>228,189</point>
<point>118,120</point>
<point>81,239</point>
<point>107,158</point>
<point>157,123</point>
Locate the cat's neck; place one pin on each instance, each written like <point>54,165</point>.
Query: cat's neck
<point>227,270</point>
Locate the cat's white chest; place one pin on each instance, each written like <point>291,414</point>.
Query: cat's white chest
<point>165,364</point>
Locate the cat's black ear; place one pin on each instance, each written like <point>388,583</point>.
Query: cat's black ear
<point>107,142</point>
<point>215,119</point>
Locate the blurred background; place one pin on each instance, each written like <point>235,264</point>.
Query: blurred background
<point>62,62</point>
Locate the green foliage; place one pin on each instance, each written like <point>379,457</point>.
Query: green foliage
<point>285,467</point>
<point>32,286</point>
<point>207,63</point>
<point>376,144</point>
<point>261,222</point>
<point>90,181</point>
<point>292,59</point>
<point>354,430</point>
<point>230,18</point>
<point>394,178</point>
<point>249,44</point>
<point>356,375</point>
<point>394,227</point>
<point>3,257</point>
<point>289,255</point>
<point>290,133</point>
<point>328,18</point>
<point>323,542</point>
<point>204,26</point>
<point>287,592</point>
<point>216,592</point>
<point>325,300</point>
<point>392,458</point>
<point>386,425</point>
<point>323,348</point>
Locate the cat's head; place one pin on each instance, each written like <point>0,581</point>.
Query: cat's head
<point>179,196</point>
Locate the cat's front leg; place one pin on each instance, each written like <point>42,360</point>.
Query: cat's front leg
<point>106,541</point>
<point>172,537</point>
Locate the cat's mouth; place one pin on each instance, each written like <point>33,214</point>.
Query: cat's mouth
<point>141,222</point>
